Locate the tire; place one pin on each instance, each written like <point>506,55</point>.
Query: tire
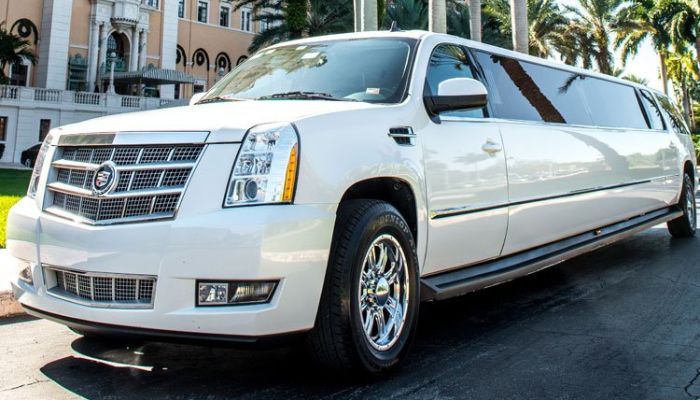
<point>356,294</point>
<point>685,225</point>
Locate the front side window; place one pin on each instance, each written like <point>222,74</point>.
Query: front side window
<point>203,12</point>
<point>372,70</point>
<point>656,121</point>
<point>449,62</point>
<point>224,16</point>
<point>245,20</point>
<point>672,115</point>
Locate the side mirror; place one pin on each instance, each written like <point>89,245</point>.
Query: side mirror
<point>196,98</point>
<point>458,94</point>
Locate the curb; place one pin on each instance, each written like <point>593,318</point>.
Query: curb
<point>9,306</point>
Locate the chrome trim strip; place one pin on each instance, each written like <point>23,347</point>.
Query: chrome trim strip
<point>457,211</point>
<point>67,164</point>
<point>69,189</point>
<point>133,138</point>
<point>559,125</point>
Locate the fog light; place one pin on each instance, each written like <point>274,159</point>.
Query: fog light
<point>233,293</point>
<point>24,271</point>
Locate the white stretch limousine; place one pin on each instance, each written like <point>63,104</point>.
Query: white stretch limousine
<point>328,185</point>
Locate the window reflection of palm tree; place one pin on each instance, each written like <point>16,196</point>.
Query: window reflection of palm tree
<point>529,89</point>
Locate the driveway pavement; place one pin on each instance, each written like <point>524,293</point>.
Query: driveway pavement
<point>619,323</point>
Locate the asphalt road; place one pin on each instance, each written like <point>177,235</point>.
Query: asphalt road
<point>619,323</point>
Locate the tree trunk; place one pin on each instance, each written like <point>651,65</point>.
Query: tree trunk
<point>664,73</point>
<point>475,20</point>
<point>438,16</point>
<point>518,12</point>
<point>357,11</point>
<point>697,48</point>
<point>686,103</point>
<point>368,20</point>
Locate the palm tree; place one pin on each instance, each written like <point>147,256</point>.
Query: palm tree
<point>641,20</point>
<point>474,19</point>
<point>518,9</point>
<point>408,14</point>
<point>437,16</point>
<point>587,37</point>
<point>636,79</point>
<point>13,50</point>
<point>292,19</point>
<point>683,69</point>
<point>685,22</point>
<point>546,23</point>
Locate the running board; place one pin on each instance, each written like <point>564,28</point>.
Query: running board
<point>471,278</point>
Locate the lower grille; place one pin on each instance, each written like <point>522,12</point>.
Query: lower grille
<point>104,210</point>
<point>102,290</point>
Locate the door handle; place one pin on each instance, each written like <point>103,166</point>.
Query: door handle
<point>491,147</point>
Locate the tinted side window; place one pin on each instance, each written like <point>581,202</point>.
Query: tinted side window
<point>613,104</point>
<point>656,121</point>
<point>672,115</point>
<point>449,62</point>
<point>521,90</point>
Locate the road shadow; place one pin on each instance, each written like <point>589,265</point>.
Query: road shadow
<point>449,336</point>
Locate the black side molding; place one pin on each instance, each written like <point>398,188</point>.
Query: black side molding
<point>474,277</point>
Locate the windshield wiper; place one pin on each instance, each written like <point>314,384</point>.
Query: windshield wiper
<point>303,96</point>
<point>219,99</point>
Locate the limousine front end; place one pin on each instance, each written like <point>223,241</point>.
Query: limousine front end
<point>123,237</point>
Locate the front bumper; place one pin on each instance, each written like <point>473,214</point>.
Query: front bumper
<point>286,243</point>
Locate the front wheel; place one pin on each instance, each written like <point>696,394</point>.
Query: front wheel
<point>685,225</point>
<point>369,306</point>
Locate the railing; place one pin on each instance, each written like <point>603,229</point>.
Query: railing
<point>9,92</point>
<point>94,99</point>
<point>94,102</point>
<point>47,95</point>
<point>131,102</point>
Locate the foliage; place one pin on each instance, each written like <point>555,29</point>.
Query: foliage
<point>546,23</point>
<point>636,79</point>
<point>13,185</point>
<point>13,50</point>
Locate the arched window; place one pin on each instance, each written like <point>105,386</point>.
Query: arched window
<point>223,61</point>
<point>200,57</point>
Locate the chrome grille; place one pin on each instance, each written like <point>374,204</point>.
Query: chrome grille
<point>101,290</point>
<point>150,184</point>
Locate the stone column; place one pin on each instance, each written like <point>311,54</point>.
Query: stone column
<point>134,56</point>
<point>168,44</point>
<point>53,47</point>
<point>143,49</point>
<point>102,59</point>
<point>93,53</point>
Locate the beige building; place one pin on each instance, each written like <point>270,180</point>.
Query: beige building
<point>77,41</point>
<point>151,44</point>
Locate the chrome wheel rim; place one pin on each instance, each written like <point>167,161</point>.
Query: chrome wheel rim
<point>690,204</point>
<point>383,292</point>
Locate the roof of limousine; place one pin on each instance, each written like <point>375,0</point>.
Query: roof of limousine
<point>419,34</point>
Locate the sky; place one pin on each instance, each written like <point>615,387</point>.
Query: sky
<point>644,65</point>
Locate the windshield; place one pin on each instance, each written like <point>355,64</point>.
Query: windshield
<point>371,70</point>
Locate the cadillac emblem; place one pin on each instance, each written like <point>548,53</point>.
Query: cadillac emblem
<point>106,178</point>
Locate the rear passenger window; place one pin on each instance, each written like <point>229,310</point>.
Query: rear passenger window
<point>522,90</point>
<point>656,121</point>
<point>449,62</point>
<point>613,104</point>
<point>672,115</point>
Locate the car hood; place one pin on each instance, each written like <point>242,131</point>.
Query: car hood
<point>226,122</point>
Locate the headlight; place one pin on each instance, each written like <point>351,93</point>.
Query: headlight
<point>265,171</point>
<point>38,165</point>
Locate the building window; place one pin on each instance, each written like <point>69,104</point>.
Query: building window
<point>264,25</point>
<point>245,19</point>
<point>203,11</point>
<point>225,16</point>
<point>3,129</point>
<point>19,74</point>
<point>181,8</point>
<point>44,128</point>
<point>151,3</point>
